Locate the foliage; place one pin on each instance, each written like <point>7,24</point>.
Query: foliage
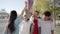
<point>42,6</point>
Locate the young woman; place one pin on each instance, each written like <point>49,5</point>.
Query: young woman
<point>13,22</point>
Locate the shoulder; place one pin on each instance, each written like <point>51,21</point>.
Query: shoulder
<point>22,21</point>
<point>39,20</point>
<point>31,22</point>
<point>18,19</point>
<point>51,20</point>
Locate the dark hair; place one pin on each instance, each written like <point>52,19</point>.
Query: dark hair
<point>47,13</point>
<point>37,12</point>
<point>13,16</point>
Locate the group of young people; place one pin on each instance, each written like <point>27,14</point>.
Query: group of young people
<point>29,25</point>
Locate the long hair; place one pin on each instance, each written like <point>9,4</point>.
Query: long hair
<point>13,16</point>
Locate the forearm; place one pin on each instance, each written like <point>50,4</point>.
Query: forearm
<point>52,31</point>
<point>22,12</point>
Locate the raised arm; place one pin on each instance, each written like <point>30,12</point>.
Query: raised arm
<point>24,9</point>
<point>22,13</point>
<point>28,13</point>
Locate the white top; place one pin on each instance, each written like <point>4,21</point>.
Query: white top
<point>24,27</point>
<point>46,27</point>
<point>32,19</point>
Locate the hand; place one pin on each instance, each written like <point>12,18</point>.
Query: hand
<point>26,5</point>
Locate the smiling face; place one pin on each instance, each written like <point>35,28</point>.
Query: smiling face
<point>35,13</point>
<point>26,18</point>
<point>47,15</point>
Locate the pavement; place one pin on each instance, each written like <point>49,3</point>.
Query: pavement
<point>1,28</point>
<point>2,25</point>
<point>57,30</point>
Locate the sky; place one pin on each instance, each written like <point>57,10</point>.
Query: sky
<point>9,5</point>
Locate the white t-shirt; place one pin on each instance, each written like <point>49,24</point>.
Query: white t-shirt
<point>24,27</point>
<point>46,27</point>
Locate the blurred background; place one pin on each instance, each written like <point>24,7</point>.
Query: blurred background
<point>41,5</point>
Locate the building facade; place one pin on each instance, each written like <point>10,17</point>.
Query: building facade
<point>3,14</point>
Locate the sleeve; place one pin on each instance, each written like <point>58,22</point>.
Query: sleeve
<point>52,26</point>
<point>18,20</point>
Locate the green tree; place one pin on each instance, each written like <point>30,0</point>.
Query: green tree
<point>41,6</point>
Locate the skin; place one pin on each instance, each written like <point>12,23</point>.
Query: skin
<point>35,14</point>
<point>52,31</point>
<point>46,18</point>
<point>25,18</point>
<point>26,5</point>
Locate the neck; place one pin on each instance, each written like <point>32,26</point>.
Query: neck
<point>35,18</point>
<point>45,19</point>
<point>26,20</point>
